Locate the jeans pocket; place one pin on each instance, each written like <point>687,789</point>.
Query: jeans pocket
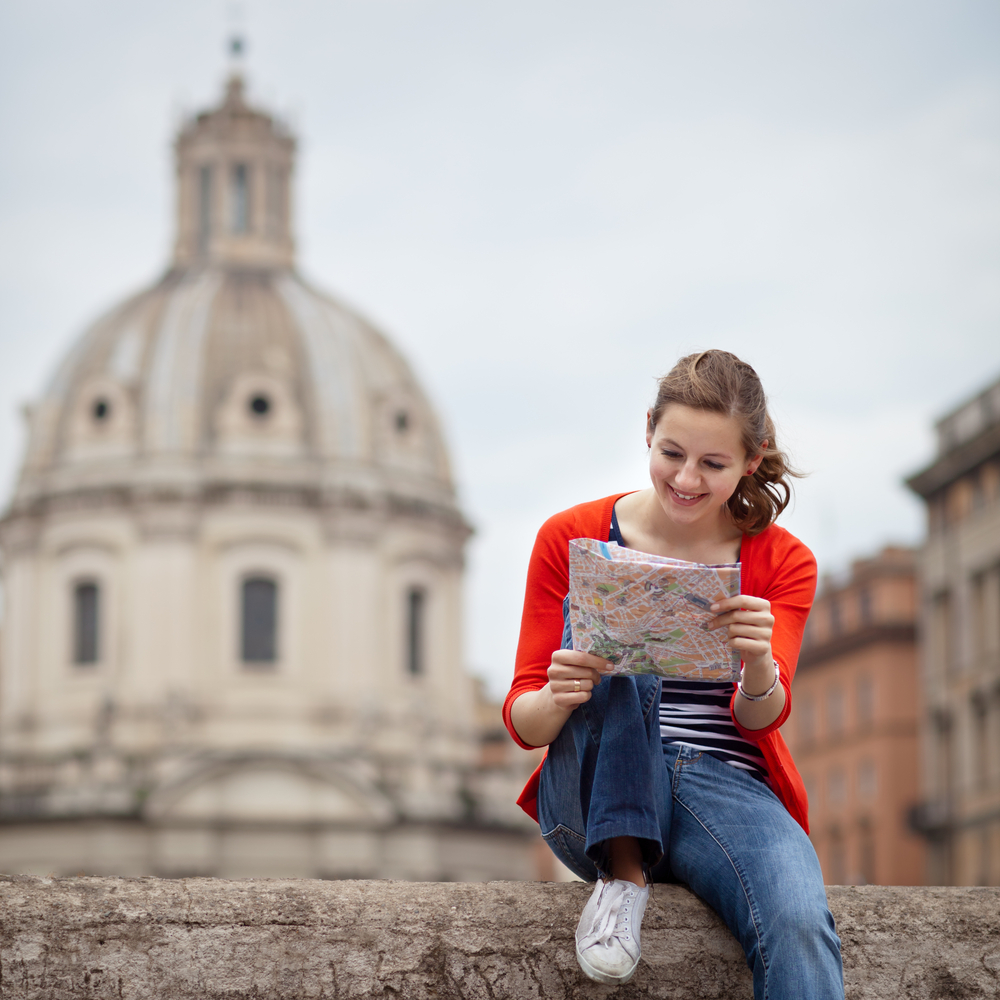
<point>568,846</point>
<point>726,774</point>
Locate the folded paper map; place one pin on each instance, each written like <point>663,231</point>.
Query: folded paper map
<point>648,614</point>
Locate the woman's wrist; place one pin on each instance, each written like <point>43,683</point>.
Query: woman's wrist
<point>537,718</point>
<point>760,694</point>
<point>758,668</point>
<point>752,694</point>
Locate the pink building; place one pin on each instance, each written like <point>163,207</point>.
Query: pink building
<point>855,723</point>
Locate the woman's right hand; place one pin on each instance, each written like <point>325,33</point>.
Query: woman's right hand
<point>573,675</point>
<point>538,716</point>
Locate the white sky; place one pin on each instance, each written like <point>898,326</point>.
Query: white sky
<point>545,203</point>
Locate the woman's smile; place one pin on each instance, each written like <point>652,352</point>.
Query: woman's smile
<point>685,499</point>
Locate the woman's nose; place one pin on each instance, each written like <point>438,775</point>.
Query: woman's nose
<point>687,475</point>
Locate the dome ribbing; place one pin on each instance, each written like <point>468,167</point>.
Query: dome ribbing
<point>232,369</point>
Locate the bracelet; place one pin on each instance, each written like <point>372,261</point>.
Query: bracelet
<point>767,694</point>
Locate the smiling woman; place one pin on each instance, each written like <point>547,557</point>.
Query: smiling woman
<point>684,780</point>
<point>696,464</point>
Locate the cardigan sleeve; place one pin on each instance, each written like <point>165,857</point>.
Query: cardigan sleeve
<point>542,618</point>
<point>546,587</point>
<point>782,570</point>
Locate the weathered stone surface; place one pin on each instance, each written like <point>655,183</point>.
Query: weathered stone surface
<point>145,939</point>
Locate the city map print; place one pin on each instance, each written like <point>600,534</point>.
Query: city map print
<point>648,614</point>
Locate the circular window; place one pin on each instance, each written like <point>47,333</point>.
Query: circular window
<point>402,421</point>
<point>101,409</point>
<point>260,405</point>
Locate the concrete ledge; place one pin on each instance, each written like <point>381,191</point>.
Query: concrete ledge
<point>146,939</point>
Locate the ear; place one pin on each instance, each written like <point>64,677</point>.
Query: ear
<point>649,431</point>
<point>757,459</point>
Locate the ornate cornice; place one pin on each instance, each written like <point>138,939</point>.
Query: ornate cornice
<point>175,512</point>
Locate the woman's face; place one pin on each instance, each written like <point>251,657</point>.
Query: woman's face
<point>696,461</point>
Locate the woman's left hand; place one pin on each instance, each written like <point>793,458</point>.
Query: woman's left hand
<point>749,623</point>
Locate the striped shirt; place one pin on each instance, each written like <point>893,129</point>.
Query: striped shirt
<point>696,714</point>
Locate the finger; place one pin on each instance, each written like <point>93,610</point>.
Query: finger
<point>755,635</point>
<point>749,628</point>
<point>738,618</point>
<point>576,657</point>
<point>758,618</point>
<point>741,601</point>
<point>571,701</point>
<point>576,685</point>
<point>750,617</point>
<point>560,673</point>
<point>745,615</point>
<point>759,639</point>
<point>572,670</point>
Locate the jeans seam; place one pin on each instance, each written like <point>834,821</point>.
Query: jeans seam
<point>565,829</point>
<point>743,885</point>
<point>594,736</point>
<point>678,764</point>
<point>653,700</point>
<point>564,841</point>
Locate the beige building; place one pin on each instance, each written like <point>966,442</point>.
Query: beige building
<point>854,727</point>
<point>960,582</point>
<point>233,570</point>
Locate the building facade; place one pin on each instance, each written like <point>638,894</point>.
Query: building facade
<point>960,649</point>
<point>855,725</point>
<point>233,567</point>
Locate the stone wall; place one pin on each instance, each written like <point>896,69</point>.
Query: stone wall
<point>146,939</point>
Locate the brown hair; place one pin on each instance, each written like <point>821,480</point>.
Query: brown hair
<point>719,382</point>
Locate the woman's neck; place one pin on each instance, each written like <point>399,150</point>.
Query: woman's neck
<point>645,527</point>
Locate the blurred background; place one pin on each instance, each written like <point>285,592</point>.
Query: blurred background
<point>543,205</point>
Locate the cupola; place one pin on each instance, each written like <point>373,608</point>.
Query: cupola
<point>234,167</point>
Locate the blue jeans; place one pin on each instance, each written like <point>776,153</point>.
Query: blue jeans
<point>699,821</point>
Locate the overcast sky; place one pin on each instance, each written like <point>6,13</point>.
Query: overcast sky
<point>544,204</point>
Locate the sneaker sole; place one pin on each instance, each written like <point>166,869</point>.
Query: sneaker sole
<point>604,977</point>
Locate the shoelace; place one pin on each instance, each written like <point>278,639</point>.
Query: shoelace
<point>618,912</point>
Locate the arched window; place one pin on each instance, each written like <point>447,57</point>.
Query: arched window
<point>241,198</point>
<point>204,207</point>
<point>275,187</point>
<point>416,610</point>
<point>86,622</point>
<point>259,621</point>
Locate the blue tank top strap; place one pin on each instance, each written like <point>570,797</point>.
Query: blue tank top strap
<point>615,534</point>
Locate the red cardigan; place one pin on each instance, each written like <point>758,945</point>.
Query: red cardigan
<point>775,566</point>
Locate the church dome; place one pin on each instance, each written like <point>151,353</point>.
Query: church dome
<point>233,577</point>
<point>232,370</point>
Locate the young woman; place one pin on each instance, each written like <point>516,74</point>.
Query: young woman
<point>684,780</point>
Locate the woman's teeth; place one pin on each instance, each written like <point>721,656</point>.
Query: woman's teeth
<point>687,496</point>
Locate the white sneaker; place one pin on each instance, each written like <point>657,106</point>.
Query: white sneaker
<point>607,937</point>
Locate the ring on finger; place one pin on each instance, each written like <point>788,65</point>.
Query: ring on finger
<point>576,685</point>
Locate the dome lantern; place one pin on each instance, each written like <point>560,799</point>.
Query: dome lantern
<point>234,167</point>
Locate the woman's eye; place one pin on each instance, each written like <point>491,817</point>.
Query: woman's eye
<point>715,465</point>
<point>672,454</point>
